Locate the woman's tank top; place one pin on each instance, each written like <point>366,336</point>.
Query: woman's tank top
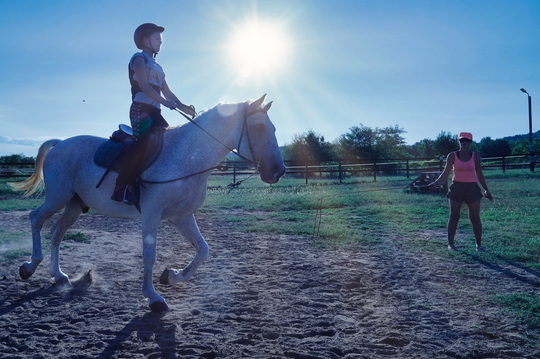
<point>464,171</point>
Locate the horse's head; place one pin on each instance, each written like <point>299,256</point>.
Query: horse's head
<point>260,141</point>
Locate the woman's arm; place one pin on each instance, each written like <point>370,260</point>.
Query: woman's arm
<point>139,67</point>
<point>480,175</point>
<point>446,172</point>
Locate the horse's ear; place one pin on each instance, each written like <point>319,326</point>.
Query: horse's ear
<point>267,106</point>
<point>257,103</point>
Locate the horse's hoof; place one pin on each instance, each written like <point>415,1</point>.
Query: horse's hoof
<point>164,278</point>
<point>62,281</point>
<point>25,273</point>
<point>159,307</point>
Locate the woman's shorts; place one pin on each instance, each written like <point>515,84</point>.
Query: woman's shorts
<point>467,192</point>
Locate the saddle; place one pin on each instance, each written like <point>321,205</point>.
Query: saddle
<point>112,153</point>
<point>109,151</point>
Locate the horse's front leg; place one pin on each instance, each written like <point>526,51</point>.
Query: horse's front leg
<point>190,231</point>
<point>149,231</point>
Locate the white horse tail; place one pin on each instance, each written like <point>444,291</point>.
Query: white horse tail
<point>34,183</point>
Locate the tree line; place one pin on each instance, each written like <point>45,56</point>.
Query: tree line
<point>367,143</point>
<point>16,159</point>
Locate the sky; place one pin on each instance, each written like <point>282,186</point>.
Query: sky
<point>425,66</point>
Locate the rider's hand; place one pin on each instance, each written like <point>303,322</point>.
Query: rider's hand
<point>170,104</point>
<point>190,110</point>
<point>488,195</point>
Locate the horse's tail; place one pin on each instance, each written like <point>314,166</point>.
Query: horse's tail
<point>34,183</point>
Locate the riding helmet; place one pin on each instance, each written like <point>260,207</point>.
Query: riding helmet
<point>145,30</point>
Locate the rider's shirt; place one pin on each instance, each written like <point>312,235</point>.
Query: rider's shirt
<point>154,76</point>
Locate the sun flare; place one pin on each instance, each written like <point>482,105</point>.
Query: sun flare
<point>259,49</point>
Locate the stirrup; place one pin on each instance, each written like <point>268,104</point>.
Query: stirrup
<point>124,196</point>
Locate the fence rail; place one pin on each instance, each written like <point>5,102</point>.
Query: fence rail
<point>338,169</point>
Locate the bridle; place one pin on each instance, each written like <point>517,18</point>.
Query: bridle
<point>245,129</point>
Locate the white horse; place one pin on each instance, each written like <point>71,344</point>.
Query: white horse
<point>184,164</point>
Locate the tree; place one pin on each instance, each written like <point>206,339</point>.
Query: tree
<point>522,147</point>
<point>359,142</point>
<point>367,143</point>
<point>16,159</point>
<point>309,146</point>
<point>424,148</point>
<point>389,143</point>
<point>445,143</point>
<point>498,147</point>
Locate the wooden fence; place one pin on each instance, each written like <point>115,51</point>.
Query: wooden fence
<point>339,169</point>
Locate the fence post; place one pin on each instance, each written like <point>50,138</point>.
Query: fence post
<point>408,169</point>
<point>340,174</point>
<point>234,172</point>
<point>306,169</point>
<point>441,163</point>
<point>504,164</point>
<point>374,170</point>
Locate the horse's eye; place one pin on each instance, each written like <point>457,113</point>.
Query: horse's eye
<point>259,128</point>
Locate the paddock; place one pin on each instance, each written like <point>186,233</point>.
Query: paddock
<point>376,283</point>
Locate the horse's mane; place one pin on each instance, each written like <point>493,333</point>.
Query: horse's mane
<point>211,112</point>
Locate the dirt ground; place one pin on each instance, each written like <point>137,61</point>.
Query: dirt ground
<point>258,296</point>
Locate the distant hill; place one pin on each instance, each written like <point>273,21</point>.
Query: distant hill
<point>525,137</point>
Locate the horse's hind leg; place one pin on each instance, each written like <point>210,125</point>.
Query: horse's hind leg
<point>37,219</point>
<point>28,268</point>
<point>190,231</point>
<point>71,213</point>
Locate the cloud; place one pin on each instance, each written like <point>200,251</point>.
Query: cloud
<point>25,146</point>
<point>20,141</point>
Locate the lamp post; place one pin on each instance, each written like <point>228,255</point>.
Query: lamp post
<point>530,130</point>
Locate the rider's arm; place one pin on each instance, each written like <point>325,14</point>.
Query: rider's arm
<point>169,95</point>
<point>139,67</point>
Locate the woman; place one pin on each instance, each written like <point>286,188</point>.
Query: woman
<point>467,168</point>
<point>149,90</point>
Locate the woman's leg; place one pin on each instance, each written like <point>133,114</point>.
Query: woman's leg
<point>474,216</point>
<point>453,219</point>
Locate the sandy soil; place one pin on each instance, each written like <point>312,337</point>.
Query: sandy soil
<point>258,296</point>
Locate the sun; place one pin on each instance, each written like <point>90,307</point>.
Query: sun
<point>259,48</point>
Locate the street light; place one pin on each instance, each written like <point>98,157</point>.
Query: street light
<point>530,130</point>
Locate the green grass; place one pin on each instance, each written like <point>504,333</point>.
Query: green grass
<point>78,237</point>
<point>356,213</point>
<point>15,201</point>
<point>525,306</point>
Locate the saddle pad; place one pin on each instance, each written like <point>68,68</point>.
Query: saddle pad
<point>107,153</point>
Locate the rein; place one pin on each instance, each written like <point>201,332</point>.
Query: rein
<point>235,151</point>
